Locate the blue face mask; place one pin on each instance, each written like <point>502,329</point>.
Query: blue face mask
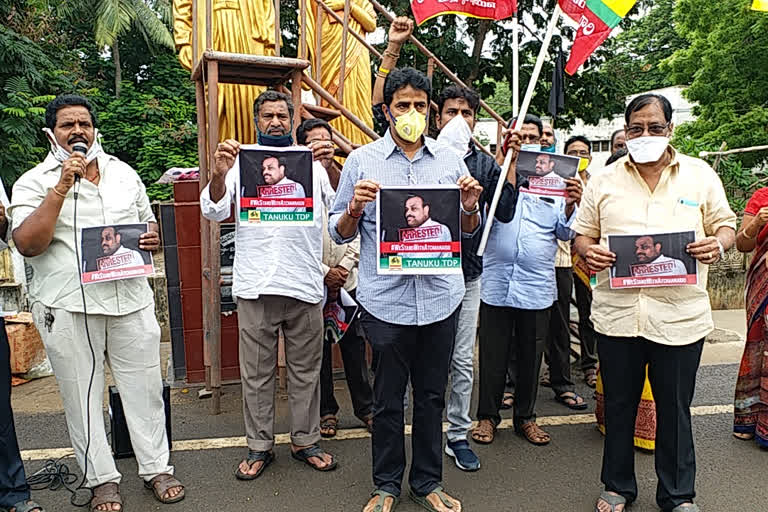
<point>550,149</point>
<point>530,147</point>
<point>278,141</point>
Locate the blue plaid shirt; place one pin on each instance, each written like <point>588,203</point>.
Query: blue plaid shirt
<point>403,300</point>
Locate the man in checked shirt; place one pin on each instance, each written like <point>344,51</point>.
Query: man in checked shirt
<point>410,321</point>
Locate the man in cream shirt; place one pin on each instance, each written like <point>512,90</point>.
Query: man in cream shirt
<point>654,189</point>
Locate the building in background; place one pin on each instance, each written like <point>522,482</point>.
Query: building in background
<point>599,134</point>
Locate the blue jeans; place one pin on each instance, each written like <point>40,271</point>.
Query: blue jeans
<point>462,367</point>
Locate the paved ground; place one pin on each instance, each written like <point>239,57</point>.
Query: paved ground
<point>516,476</point>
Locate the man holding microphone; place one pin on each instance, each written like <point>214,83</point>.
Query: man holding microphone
<point>81,325</point>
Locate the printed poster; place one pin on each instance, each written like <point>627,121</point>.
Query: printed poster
<point>546,172</point>
<point>419,230</point>
<point>275,186</point>
<point>111,253</point>
<point>650,260</point>
<point>338,315</point>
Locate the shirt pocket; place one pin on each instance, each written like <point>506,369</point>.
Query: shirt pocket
<point>540,212</point>
<point>687,214</point>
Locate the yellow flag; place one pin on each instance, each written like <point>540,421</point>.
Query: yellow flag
<point>760,5</point>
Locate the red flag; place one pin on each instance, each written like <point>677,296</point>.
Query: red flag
<point>424,10</point>
<point>596,20</point>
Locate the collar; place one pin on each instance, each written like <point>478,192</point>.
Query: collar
<point>430,145</point>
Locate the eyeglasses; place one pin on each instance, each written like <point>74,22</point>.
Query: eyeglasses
<point>654,129</point>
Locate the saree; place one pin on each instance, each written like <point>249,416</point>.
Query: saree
<point>751,396</point>
<point>645,424</point>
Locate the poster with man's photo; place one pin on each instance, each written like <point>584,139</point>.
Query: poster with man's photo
<point>419,230</point>
<point>275,186</point>
<point>650,260</point>
<point>112,252</point>
<point>546,172</point>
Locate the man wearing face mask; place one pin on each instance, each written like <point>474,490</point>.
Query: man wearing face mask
<point>548,138</point>
<point>120,314</point>
<point>410,321</point>
<point>654,189</point>
<point>273,295</point>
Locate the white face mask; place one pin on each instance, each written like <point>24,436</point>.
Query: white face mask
<point>456,135</point>
<point>645,150</point>
<point>61,154</point>
<point>530,147</point>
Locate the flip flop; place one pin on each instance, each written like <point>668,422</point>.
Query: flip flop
<point>565,397</point>
<point>305,454</point>
<point>253,458</point>
<point>613,500</point>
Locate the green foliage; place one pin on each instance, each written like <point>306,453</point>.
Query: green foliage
<point>726,68</point>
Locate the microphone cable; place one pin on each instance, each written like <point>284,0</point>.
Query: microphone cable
<point>81,486</point>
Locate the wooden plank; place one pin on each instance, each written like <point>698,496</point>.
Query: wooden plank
<point>332,101</point>
<point>296,96</point>
<point>355,33</point>
<point>277,27</point>
<point>208,24</point>
<point>317,64</point>
<point>302,29</point>
<point>209,251</point>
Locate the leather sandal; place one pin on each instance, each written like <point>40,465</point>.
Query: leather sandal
<point>533,433</point>
<point>484,432</point>
<point>424,502</point>
<point>328,426</point>
<point>161,484</point>
<point>381,502</point>
<point>108,493</point>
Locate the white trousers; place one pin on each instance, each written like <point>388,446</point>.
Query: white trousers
<point>131,345</point>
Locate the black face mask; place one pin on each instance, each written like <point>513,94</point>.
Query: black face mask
<point>279,141</point>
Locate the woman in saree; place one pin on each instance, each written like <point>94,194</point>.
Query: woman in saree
<point>751,401</point>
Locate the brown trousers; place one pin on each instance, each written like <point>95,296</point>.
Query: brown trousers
<point>302,324</point>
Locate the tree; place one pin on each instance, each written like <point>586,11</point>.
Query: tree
<point>115,18</point>
<point>726,68</point>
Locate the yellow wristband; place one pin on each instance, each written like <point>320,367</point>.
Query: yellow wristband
<point>383,71</point>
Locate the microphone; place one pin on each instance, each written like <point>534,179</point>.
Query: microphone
<point>80,147</point>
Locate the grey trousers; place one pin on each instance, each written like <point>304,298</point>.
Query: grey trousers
<point>302,324</point>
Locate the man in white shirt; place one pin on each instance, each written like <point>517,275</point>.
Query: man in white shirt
<point>422,228</point>
<point>278,284</point>
<point>120,315</point>
<point>114,254</point>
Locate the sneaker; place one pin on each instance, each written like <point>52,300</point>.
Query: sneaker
<point>462,454</point>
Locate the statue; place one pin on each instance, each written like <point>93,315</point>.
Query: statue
<point>239,26</point>
<point>357,79</point>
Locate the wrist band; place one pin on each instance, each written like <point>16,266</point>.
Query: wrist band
<point>744,233</point>
<point>349,212</point>
<point>395,56</point>
<point>58,193</point>
<point>383,71</point>
<point>473,211</point>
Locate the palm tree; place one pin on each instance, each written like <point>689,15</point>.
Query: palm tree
<point>116,17</point>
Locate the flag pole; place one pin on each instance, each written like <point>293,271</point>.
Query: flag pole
<point>520,116</point>
<point>515,66</point>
